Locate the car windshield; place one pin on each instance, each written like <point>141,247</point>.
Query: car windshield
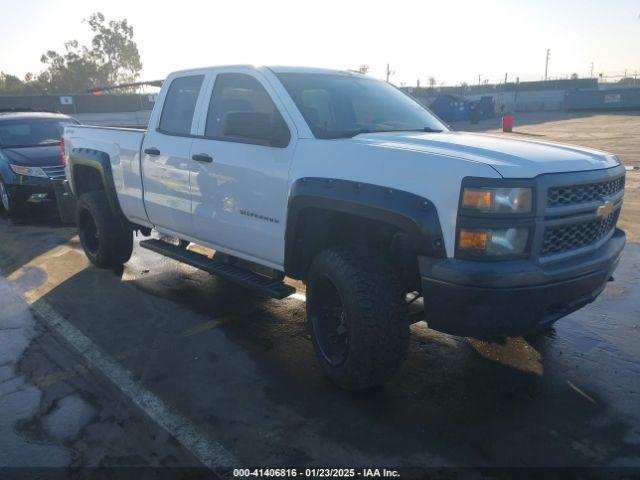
<point>32,132</point>
<point>337,106</point>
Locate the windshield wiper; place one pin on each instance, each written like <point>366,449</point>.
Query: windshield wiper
<point>353,133</point>
<point>423,129</point>
<point>345,133</point>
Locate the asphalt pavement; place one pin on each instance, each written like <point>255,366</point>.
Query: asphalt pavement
<point>160,364</point>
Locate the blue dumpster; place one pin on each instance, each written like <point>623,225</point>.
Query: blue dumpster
<point>450,108</point>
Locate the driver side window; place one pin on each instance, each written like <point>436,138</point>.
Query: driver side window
<point>242,98</point>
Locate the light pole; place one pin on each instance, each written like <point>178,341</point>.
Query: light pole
<point>546,63</point>
<point>389,72</point>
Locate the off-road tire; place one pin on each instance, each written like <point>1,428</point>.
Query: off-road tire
<point>106,240</point>
<point>376,315</point>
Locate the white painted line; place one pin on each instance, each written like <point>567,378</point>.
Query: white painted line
<point>629,168</point>
<point>298,296</point>
<point>212,454</point>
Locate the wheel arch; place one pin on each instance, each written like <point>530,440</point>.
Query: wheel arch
<point>90,170</point>
<point>315,204</point>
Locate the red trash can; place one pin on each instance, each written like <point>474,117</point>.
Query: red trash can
<point>507,124</point>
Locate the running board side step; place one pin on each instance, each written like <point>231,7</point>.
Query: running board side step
<point>269,287</point>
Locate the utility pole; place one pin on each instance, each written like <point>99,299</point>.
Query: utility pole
<point>479,76</point>
<point>505,78</point>
<point>389,72</point>
<point>546,63</point>
<point>591,70</point>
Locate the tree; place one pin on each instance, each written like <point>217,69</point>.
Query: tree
<point>73,71</point>
<point>574,76</point>
<point>114,51</point>
<point>111,59</point>
<point>10,84</point>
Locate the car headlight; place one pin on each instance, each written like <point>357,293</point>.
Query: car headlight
<point>493,242</point>
<point>497,200</point>
<point>29,171</point>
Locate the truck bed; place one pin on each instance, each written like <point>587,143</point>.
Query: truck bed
<point>122,145</point>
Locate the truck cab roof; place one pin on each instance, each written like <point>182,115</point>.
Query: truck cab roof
<point>274,68</point>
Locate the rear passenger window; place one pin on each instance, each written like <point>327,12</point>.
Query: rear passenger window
<point>179,105</point>
<point>238,92</point>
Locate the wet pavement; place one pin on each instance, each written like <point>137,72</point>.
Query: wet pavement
<point>242,369</point>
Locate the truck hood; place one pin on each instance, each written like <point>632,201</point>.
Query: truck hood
<point>511,158</point>
<point>33,156</point>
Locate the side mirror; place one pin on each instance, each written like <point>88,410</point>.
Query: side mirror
<point>260,127</point>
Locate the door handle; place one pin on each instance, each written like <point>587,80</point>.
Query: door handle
<point>202,157</point>
<point>152,151</point>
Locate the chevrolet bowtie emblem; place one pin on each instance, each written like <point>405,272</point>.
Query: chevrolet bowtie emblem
<point>605,210</point>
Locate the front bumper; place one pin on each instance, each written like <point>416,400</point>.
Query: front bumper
<point>35,189</point>
<point>31,187</point>
<point>489,299</point>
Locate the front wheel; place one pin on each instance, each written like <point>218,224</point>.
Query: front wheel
<point>357,315</point>
<point>106,241</point>
<point>9,204</point>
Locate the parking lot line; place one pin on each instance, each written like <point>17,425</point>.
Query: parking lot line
<point>298,296</point>
<point>208,451</point>
<point>206,326</point>
<point>579,391</point>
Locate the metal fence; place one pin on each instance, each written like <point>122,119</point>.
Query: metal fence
<point>488,89</point>
<point>74,104</point>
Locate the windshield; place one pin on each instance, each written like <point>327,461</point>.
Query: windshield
<point>336,106</point>
<point>32,132</point>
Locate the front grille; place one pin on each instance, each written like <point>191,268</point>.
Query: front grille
<point>575,194</point>
<point>571,237</point>
<point>55,171</point>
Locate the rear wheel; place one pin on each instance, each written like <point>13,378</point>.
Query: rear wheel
<point>106,241</point>
<point>357,315</point>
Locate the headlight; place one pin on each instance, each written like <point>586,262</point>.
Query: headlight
<point>497,200</point>
<point>29,171</point>
<point>493,242</point>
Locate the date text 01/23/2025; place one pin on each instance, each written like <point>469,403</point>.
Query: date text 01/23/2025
<point>315,472</point>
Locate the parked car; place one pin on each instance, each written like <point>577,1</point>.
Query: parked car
<point>346,183</point>
<point>29,157</point>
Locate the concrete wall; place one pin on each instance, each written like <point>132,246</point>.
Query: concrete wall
<point>623,98</point>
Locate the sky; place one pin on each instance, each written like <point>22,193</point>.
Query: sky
<point>453,41</point>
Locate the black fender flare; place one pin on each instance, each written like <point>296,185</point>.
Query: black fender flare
<point>414,215</point>
<point>101,162</point>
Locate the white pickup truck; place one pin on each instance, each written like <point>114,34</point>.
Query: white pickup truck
<point>349,185</point>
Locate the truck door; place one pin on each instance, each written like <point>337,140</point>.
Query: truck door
<point>165,157</point>
<point>239,179</point>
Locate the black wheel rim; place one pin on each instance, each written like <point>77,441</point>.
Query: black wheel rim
<point>329,321</point>
<point>89,233</point>
<point>4,197</point>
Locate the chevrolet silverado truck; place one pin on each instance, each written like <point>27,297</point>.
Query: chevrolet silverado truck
<point>349,185</point>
